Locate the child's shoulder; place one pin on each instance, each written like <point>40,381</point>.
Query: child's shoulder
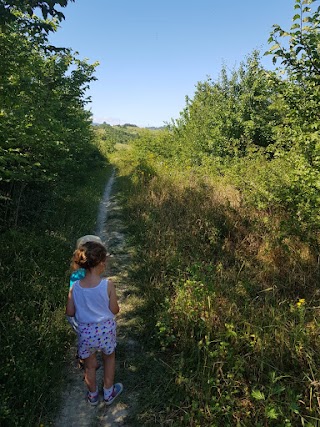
<point>109,282</point>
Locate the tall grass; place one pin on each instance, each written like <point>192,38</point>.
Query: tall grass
<point>34,273</point>
<point>233,304</point>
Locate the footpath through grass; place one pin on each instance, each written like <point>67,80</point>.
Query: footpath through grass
<point>34,271</point>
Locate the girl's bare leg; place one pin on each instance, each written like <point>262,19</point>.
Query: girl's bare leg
<point>90,366</point>
<point>109,365</point>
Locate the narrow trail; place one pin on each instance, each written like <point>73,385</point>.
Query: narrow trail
<point>75,411</point>
<point>104,209</point>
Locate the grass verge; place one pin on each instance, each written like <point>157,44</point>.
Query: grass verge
<point>230,312</point>
<point>34,272</point>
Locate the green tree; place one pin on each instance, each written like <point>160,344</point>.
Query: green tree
<point>227,116</point>
<point>22,11</point>
<point>45,130</point>
<point>299,55</point>
<point>298,51</point>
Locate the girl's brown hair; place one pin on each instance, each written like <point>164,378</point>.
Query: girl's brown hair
<point>88,255</point>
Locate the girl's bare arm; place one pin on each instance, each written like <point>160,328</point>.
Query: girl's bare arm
<point>70,309</point>
<point>113,300</point>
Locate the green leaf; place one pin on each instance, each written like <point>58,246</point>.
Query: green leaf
<point>258,395</point>
<point>294,407</point>
<point>275,46</point>
<point>297,16</point>
<point>271,413</point>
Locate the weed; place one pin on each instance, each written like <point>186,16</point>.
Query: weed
<point>232,299</point>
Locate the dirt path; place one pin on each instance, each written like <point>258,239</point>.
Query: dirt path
<point>75,411</point>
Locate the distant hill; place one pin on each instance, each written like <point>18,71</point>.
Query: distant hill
<point>111,135</point>
<point>128,125</point>
<point>156,128</point>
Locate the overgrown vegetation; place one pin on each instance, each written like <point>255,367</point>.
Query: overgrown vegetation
<point>52,177</point>
<point>223,207</point>
<point>108,137</point>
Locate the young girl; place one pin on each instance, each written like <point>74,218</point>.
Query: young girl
<point>79,273</point>
<point>93,302</point>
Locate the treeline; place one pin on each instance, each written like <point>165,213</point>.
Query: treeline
<point>45,131</point>
<point>223,207</point>
<point>52,176</point>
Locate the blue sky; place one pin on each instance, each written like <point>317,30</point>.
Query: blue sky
<point>153,53</point>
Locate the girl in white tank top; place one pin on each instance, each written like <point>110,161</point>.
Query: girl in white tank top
<point>93,302</point>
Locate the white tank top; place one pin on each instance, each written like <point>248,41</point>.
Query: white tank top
<point>92,304</point>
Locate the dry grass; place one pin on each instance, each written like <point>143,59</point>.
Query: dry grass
<point>231,300</point>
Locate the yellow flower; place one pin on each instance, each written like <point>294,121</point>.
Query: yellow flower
<point>301,302</point>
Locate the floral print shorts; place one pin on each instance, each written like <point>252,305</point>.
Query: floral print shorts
<point>96,336</point>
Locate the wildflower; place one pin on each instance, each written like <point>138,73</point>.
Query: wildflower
<point>301,302</point>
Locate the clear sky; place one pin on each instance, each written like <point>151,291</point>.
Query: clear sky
<point>152,53</point>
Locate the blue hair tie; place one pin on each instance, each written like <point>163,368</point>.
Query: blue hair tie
<point>77,275</point>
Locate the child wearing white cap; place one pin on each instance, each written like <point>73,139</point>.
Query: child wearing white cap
<point>92,300</point>
<point>79,273</point>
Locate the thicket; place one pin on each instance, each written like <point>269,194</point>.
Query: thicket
<point>223,208</point>
<point>52,176</point>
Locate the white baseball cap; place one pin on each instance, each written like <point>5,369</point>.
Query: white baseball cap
<point>89,238</point>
